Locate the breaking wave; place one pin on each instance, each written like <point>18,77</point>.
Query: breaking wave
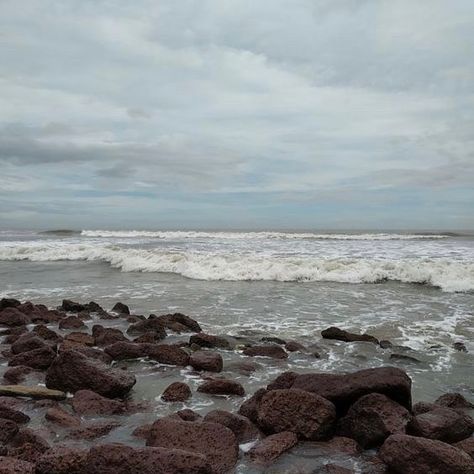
<point>448,275</point>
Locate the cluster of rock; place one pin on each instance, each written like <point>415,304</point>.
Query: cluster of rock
<point>364,410</point>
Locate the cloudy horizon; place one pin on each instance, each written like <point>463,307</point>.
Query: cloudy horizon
<point>307,114</point>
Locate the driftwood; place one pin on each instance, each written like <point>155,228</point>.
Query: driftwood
<point>31,392</point>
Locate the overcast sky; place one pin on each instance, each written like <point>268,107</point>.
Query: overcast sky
<point>237,114</point>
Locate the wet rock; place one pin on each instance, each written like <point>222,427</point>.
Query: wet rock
<point>273,340</point>
<point>466,445</point>
<point>28,436</point>
<point>9,303</point>
<point>17,374</point>
<point>71,322</point>
<point>412,455</point>
<point>87,402</point>
<point>93,430</point>
<point>13,334</point>
<point>250,407</point>
<point>27,342</point>
<point>275,352</point>
<point>179,322</point>
<point>80,338</point>
<point>243,429</point>
<point>443,424</point>
<point>8,429</point>
<point>72,307</point>
<point>26,452</point>
<point>168,354</point>
<point>207,340</point>
<point>8,413</point>
<point>242,367</point>
<point>107,336</point>
<point>45,333</point>
<point>454,400</point>
<point>176,392</point>
<point>384,344</point>
<point>150,324</point>
<point>62,460</point>
<point>121,308</point>
<point>345,336</point>
<point>150,337</point>
<point>293,346</point>
<point>339,444</point>
<point>10,465</point>
<point>334,469</point>
<point>344,389</point>
<point>271,447</point>
<point>126,350</point>
<point>372,419</point>
<point>90,352</point>
<point>12,317</point>
<point>206,360</point>
<point>460,347</point>
<point>404,358</point>
<point>308,415</point>
<point>423,407</point>
<point>222,387</point>
<point>40,313</point>
<point>188,415</point>
<point>121,459</point>
<point>39,359</point>
<point>61,417</point>
<point>216,442</point>
<point>72,371</point>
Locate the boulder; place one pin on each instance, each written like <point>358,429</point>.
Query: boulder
<point>121,459</point>
<point>372,419</point>
<point>71,322</point>
<point>207,340</point>
<point>10,465</point>
<point>72,306</point>
<point>270,448</point>
<point>80,338</point>
<point>455,401</point>
<point>61,417</point>
<point>45,333</point>
<point>121,308</point>
<point>188,415</point>
<point>15,375</point>
<point>249,408</point>
<point>243,429</point>
<point>443,424</point>
<point>307,415</point>
<point>107,336</point>
<point>9,303</point>
<point>222,387</point>
<point>273,339</point>
<point>216,442</point>
<point>344,389</point>
<point>345,336</point>
<point>87,402</point>
<point>62,460</point>
<point>149,337</point>
<point>179,322</point>
<point>422,407</point>
<point>27,436</point>
<point>206,360</point>
<point>244,367</point>
<point>150,324</point>
<point>467,445</point>
<point>8,429</point>
<point>40,313</point>
<point>91,352</point>
<point>8,413</point>
<point>27,342</point>
<point>13,317</point>
<point>39,359</point>
<point>93,430</point>
<point>274,352</point>
<point>167,354</point>
<point>126,350</point>
<point>412,455</point>
<point>339,444</point>
<point>72,371</point>
<point>460,347</point>
<point>332,468</point>
<point>176,392</point>
<point>293,346</point>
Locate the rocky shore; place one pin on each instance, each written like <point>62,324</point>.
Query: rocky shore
<point>70,402</point>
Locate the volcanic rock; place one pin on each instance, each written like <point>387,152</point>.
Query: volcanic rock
<point>71,322</point>
<point>13,317</point>
<point>271,447</point>
<point>345,336</point>
<point>243,429</point>
<point>107,336</point>
<point>176,392</point>
<point>10,465</point>
<point>179,322</point>
<point>249,408</point>
<point>8,429</point>
<point>150,324</point>
<point>62,460</point>
<point>207,340</point>
<point>454,400</point>
<point>206,360</point>
<point>61,417</point>
<point>222,387</point>
<point>275,352</point>
<point>39,359</point>
<point>121,308</point>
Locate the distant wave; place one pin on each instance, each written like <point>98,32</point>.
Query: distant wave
<point>449,275</point>
<point>174,235</point>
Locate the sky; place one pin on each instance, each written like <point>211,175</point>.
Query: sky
<point>229,114</point>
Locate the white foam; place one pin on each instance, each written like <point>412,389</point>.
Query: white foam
<point>449,275</point>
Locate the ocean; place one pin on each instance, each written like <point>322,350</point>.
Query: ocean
<point>414,289</point>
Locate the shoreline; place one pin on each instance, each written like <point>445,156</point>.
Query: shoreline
<point>365,418</point>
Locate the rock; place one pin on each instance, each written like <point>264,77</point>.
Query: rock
<point>412,455</point>
<point>27,342</point>
<point>45,333</point>
<point>334,469</point>
<point>344,389</point>
<point>345,336</point>
<point>188,415</point>
<point>10,465</point>
<point>206,360</point>
<point>372,419</point>
<point>27,436</point>
<point>460,347</point>
<point>149,337</point>
<point>293,346</point>
<point>207,340</point>
<point>168,354</point>
<point>147,325</point>
<point>8,413</point>
<point>273,340</point>
<point>466,445</point>
<point>243,429</point>
<point>443,424</point>
<point>12,317</point>
<point>179,322</point>
<point>121,308</point>
<point>39,313</point>
<point>72,371</point>
<point>249,408</point>
<point>94,430</point>
<point>271,447</point>
<point>61,417</point>
<point>107,336</point>
<point>39,359</point>
<point>26,452</point>
<point>8,429</point>
<point>176,392</point>
<point>31,392</point>
<point>71,322</point>
<point>90,352</point>
<point>126,350</point>
<point>121,459</point>
<point>62,460</point>
<point>275,352</point>
<point>216,442</point>
<point>404,357</point>
<point>17,374</point>
<point>8,303</point>
<point>87,402</point>
<point>222,387</point>
<point>13,334</point>
<point>454,400</point>
<point>81,338</point>
<point>423,407</point>
<point>339,444</point>
<point>244,367</point>
<point>307,415</point>
<point>72,307</point>
<point>384,344</point>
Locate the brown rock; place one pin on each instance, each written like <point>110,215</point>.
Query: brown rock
<point>93,430</point>
<point>107,336</point>
<point>143,431</point>
<point>293,346</point>
<point>29,436</point>
<point>121,459</point>
<point>121,308</point>
<point>80,338</point>
<point>216,442</point>
<point>275,352</point>
<point>9,303</point>
<point>27,342</point>
<point>87,402</point>
<point>10,465</point>
<point>207,340</point>
<point>71,322</point>
<point>150,337</point>
<point>454,400</point>
<point>443,424</point>
<point>62,460</point>
<point>249,408</point>
<point>339,444</point>
<point>168,354</point>
<point>179,322</point>
<point>72,307</point>
<point>243,429</point>
<point>467,445</point>
<point>222,387</point>
<point>72,371</point>
<point>271,447</point>
<point>61,417</point>
<point>188,415</point>
<point>244,367</point>
<point>8,429</point>
<point>26,452</point>
<point>17,374</point>
<point>334,469</point>
<point>176,392</point>
<point>372,419</point>
<point>412,455</point>
<point>8,413</point>
<point>13,317</point>
<point>90,352</point>
<point>206,360</point>
<point>423,407</point>
<point>45,333</point>
<point>341,335</point>
<point>308,415</point>
<point>150,324</point>
<point>39,359</point>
